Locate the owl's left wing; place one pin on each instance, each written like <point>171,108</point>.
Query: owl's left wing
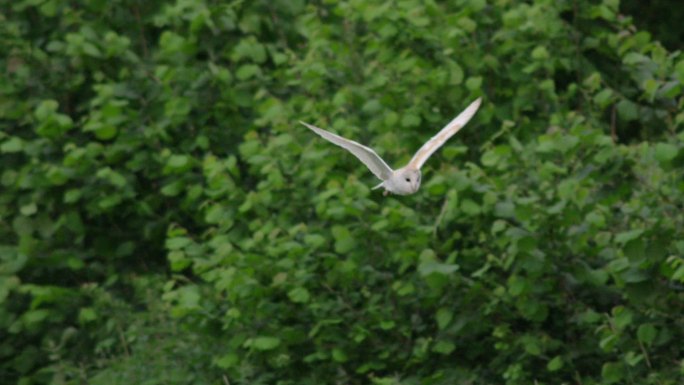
<point>442,136</point>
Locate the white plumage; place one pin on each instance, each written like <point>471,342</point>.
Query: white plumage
<point>406,180</point>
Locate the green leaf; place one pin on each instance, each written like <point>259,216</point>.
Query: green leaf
<point>178,260</point>
<point>592,82</point>
<point>650,88</point>
<point>627,236</point>
<point>540,53</point>
<point>339,355</point>
<point>532,345</point>
<point>433,267</point>
<point>455,74</point>
<point>46,109</point>
<point>627,110</point>
<point>91,49</point>
<point>612,372</point>
<point>371,106</point>
<point>490,158</point>
<point>36,316</point>
<point>178,162</point>
<point>632,359</point>
<point>172,189</point>
<point>679,71</point>
<point>634,58</point>
<point>604,98</point>
<point>410,120</point>
<point>299,295</point>
<point>116,179</point>
<point>344,242</point>
<point>216,214</point>
<point>444,347</point>
<point>105,132</point>
<point>647,334</point>
<point>265,343</point>
<point>474,83</point>
<point>247,71</point>
<point>12,145</point>
<point>87,314</point>
<point>249,48</point>
<point>29,209</point>
<point>470,208</point>
<point>444,317</point>
<point>665,152</point>
<point>72,195</point>
<point>178,243</point>
<point>555,364</point>
<point>622,317</point>
<point>227,361</point>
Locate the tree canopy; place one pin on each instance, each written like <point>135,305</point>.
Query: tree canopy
<point>166,220</point>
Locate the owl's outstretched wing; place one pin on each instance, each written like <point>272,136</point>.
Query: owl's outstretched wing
<point>442,136</point>
<point>365,154</point>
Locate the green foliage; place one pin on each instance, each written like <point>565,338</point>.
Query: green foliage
<point>160,139</point>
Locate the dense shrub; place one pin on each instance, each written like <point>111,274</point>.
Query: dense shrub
<point>166,220</point>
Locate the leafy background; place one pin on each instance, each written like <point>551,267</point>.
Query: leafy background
<point>165,220</point>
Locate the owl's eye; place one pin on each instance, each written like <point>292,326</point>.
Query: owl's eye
<point>408,179</point>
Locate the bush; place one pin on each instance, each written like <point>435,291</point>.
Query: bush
<point>162,205</point>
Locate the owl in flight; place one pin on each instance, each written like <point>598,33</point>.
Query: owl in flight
<point>406,180</point>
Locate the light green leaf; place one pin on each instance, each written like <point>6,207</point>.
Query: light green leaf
<point>665,152</point>
<point>604,98</point>
<point>299,295</point>
<point>434,267</point>
<point>265,343</point>
<point>474,83</point>
<point>29,209</point>
<point>555,364</point>
<point>444,317</point>
<point>12,145</point>
<point>344,242</point>
<point>339,355</point>
<point>444,347</point>
<point>627,110</point>
<point>177,243</point>
<point>540,53</point>
<point>247,71</point>
<point>627,236</point>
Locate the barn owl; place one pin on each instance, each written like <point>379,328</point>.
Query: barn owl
<point>406,180</point>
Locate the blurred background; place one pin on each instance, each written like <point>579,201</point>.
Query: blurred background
<point>164,219</point>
